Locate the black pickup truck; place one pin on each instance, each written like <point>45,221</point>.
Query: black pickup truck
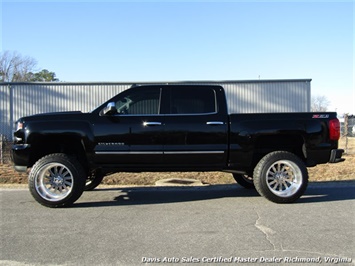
<point>172,128</point>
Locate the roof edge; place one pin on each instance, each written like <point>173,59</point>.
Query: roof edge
<point>156,82</point>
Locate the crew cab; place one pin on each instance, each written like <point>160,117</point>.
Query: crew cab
<point>172,128</point>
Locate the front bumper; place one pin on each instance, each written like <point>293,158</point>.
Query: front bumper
<point>335,156</point>
<point>20,156</point>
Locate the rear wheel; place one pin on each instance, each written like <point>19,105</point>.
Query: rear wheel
<point>56,180</point>
<point>244,180</point>
<point>281,177</point>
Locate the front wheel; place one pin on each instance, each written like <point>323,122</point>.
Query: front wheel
<point>281,177</point>
<point>56,180</point>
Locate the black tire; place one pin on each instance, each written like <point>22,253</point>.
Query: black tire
<point>281,177</point>
<point>244,180</point>
<point>56,180</point>
<point>93,180</point>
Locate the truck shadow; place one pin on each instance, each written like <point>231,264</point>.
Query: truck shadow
<point>161,195</point>
<point>103,197</point>
<point>329,192</point>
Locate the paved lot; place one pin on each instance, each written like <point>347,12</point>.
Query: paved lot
<point>205,225</point>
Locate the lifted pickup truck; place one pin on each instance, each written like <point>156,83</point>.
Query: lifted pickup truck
<point>172,128</point>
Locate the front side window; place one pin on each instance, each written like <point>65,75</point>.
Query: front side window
<point>192,100</point>
<point>139,102</point>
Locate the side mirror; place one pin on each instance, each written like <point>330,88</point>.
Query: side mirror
<point>110,109</point>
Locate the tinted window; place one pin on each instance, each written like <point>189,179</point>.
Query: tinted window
<point>192,100</point>
<point>136,102</point>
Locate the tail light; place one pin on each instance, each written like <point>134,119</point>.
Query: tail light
<point>334,129</point>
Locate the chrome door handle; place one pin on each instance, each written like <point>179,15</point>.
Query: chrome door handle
<point>151,124</point>
<point>214,123</point>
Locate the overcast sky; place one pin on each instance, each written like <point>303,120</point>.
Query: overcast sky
<point>189,40</point>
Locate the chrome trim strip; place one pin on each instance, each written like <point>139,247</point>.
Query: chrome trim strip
<point>192,114</point>
<point>156,152</point>
<point>193,152</point>
<point>128,152</point>
<point>140,115</point>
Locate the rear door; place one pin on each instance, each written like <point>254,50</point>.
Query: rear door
<point>196,134</point>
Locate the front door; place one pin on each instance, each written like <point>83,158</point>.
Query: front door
<point>133,136</point>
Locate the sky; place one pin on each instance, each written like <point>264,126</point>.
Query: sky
<point>124,41</point>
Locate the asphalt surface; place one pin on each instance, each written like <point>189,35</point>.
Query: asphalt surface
<point>212,225</point>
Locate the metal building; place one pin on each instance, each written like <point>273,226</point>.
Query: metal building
<point>252,96</point>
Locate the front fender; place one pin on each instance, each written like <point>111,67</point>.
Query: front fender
<point>36,131</point>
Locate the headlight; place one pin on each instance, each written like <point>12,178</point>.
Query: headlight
<point>19,133</point>
<point>19,126</point>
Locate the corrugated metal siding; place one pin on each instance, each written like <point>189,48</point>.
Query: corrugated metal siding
<point>5,124</point>
<point>268,97</point>
<point>23,99</point>
<point>36,98</point>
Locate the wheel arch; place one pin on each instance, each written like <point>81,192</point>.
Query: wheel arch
<point>71,145</point>
<point>293,143</point>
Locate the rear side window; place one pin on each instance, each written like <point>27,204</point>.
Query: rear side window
<point>192,100</point>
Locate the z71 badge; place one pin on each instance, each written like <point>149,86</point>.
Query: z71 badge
<point>320,116</point>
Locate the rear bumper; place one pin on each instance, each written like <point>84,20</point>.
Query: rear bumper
<point>335,156</point>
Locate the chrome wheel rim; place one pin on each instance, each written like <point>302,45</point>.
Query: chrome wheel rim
<point>284,178</point>
<point>54,182</point>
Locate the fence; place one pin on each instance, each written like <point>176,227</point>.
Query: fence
<point>347,139</point>
<point>5,148</point>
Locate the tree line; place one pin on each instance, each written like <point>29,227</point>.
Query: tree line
<point>15,67</point>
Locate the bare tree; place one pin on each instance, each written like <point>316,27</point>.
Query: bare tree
<point>319,103</point>
<point>15,67</point>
